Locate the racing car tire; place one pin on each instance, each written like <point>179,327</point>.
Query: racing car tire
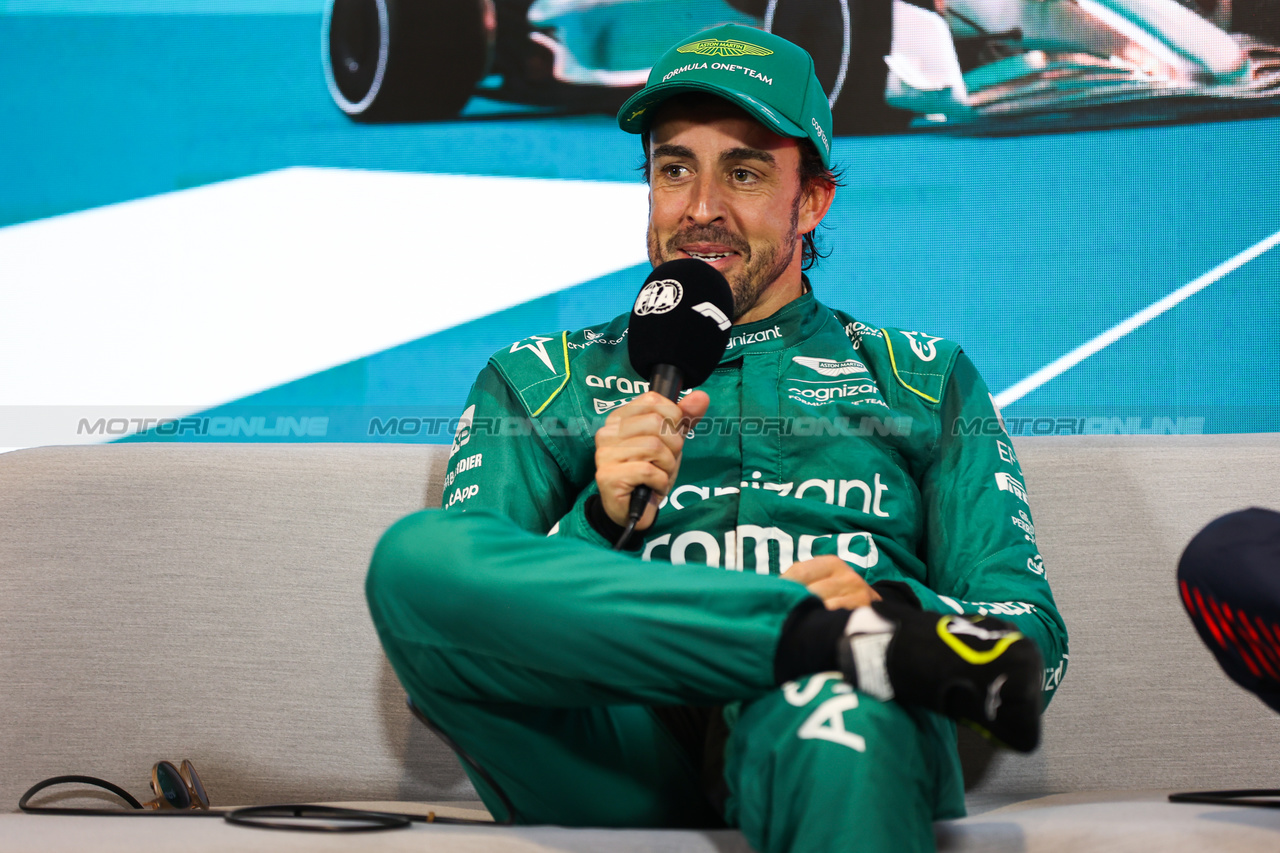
<point>848,40</point>
<point>405,60</point>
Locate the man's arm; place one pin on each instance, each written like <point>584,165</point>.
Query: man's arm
<point>504,461</point>
<point>501,462</point>
<point>980,548</point>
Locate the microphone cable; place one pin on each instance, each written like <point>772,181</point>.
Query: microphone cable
<point>295,817</point>
<point>625,535</point>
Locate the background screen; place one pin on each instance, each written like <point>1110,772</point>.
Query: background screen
<point>299,220</point>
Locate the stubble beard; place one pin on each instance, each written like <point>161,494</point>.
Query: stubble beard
<point>759,269</point>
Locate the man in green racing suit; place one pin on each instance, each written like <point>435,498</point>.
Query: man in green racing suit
<point>774,651</point>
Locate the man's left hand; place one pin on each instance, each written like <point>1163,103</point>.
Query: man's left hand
<point>834,581</point>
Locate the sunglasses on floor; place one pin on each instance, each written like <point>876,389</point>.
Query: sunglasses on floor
<point>176,787</point>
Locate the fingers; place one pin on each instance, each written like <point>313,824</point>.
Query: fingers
<point>640,444</point>
<point>832,580</point>
<point>646,430</point>
<point>621,469</point>
<point>653,414</point>
<point>817,568</point>
<point>636,448</point>
<point>694,405</point>
<point>616,484</point>
<point>835,596</point>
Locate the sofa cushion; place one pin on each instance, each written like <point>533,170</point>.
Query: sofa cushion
<point>1144,704</point>
<point>207,602</point>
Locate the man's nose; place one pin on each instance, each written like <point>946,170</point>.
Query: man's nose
<point>706,202</point>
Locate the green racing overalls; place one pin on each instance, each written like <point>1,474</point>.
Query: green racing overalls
<point>548,657</point>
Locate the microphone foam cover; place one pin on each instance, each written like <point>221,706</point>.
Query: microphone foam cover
<point>681,318</point>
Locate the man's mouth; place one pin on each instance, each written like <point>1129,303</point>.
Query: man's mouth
<point>709,253</point>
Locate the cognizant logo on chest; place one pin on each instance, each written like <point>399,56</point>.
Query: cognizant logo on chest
<point>853,493</point>
<point>818,394</point>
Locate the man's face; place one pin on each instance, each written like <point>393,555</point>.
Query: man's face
<point>726,190</point>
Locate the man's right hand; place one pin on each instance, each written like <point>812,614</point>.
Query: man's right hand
<point>641,444</point>
<point>833,580</point>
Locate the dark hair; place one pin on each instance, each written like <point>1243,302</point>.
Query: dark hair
<point>812,171</point>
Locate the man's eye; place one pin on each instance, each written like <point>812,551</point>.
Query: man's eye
<point>743,176</point>
<point>674,170</point>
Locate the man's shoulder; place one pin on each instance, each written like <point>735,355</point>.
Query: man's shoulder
<point>918,361</point>
<point>539,367</point>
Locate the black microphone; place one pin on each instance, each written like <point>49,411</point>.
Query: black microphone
<point>679,330</point>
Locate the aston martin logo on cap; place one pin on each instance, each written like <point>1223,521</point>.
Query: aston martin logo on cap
<point>718,47</point>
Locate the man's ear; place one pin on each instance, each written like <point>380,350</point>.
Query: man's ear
<point>815,201</point>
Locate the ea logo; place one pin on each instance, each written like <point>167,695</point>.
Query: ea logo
<point>659,297</point>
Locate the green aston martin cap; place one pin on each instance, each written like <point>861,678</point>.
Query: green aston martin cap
<point>766,75</point>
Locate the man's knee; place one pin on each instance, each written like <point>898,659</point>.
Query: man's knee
<point>417,552</point>
<point>431,567</point>
<point>816,764</point>
<point>823,741</point>
<point>398,554</point>
<point>821,718</point>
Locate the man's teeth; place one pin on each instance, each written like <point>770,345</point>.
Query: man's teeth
<point>708,257</point>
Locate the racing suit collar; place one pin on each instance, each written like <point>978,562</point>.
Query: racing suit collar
<point>791,324</point>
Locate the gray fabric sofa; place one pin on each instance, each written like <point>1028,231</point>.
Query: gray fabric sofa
<point>206,602</point>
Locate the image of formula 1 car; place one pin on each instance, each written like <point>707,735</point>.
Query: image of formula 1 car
<point>1084,61</point>
<point>885,64</point>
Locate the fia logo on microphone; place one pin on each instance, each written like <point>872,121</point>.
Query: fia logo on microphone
<point>659,297</point>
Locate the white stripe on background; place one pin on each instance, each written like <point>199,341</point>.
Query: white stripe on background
<point>195,298</point>
<point>1061,365</point>
<point>162,7</point>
